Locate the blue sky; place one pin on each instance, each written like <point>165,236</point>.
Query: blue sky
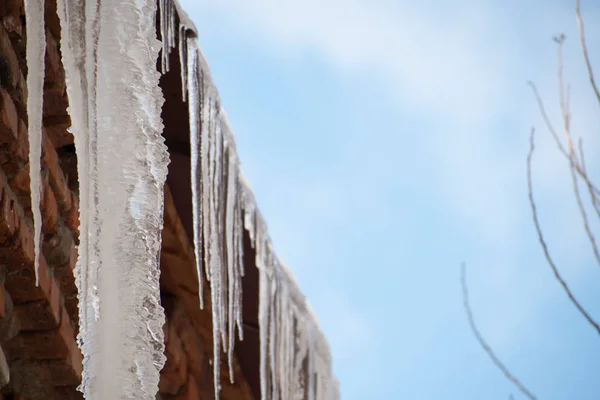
<point>386,143</point>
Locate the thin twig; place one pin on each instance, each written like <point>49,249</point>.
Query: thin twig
<point>573,161</point>
<point>549,125</point>
<point>543,242</point>
<point>559,144</point>
<point>482,341</point>
<point>585,52</point>
<point>593,196</point>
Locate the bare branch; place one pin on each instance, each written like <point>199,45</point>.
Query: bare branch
<point>583,213</point>
<point>585,52</point>
<point>543,242</point>
<point>549,125</point>
<point>573,161</point>
<point>482,341</point>
<point>593,196</point>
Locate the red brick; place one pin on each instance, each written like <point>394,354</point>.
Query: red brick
<point>9,119</point>
<point>42,314</point>
<point>55,103</point>
<point>44,345</point>
<point>56,177</point>
<point>12,24</point>
<point>53,63</point>
<point>56,128</point>
<point>11,64</point>
<point>2,303</point>
<point>8,216</point>
<point>16,156</point>
<point>72,216</point>
<point>49,209</point>
<point>66,372</point>
<point>190,391</point>
<point>9,7</point>
<point>21,182</point>
<point>20,283</point>
<point>72,307</point>
<point>174,374</point>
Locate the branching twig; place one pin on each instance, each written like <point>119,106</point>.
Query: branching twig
<point>482,341</point>
<point>573,160</point>
<point>585,52</point>
<point>543,242</point>
<point>594,198</point>
<point>550,127</point>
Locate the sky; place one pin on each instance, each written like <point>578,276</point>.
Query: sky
<point>386,143</point>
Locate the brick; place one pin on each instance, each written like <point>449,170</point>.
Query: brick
<point>11,64</point>
<point>66,372</point>
<point>12,24</point>
<point>52,21</point>
<point>14,157</point>
<point>53,75</point>
<point>3,310</point>
<point>56,127</point>
<point>72,307</point>
<point>9,221</point>
<point>59,248</point>
<point>42,314</point>
<point>9,119</point>
<point>49,209</point>
<point>55,103</point>
<point>174,374</point>
<point>21,285</point>
<point>44,345</point>
<point>20,183</point>
<point>56,177</point>
<point>72,216</point>
<point>190,391</point>
<point>68,393</point>
<point>9,7</point>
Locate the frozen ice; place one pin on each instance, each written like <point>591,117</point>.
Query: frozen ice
<point>115,106</point>
<point>36,51</point>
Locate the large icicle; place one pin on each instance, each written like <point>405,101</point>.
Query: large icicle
<point>115,105</point>
<point>36,51</point>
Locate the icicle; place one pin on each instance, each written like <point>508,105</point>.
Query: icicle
<point>36,51</point>
<point>231,197</point>
<point>193,80</point>
<point>223,204</point>
<point>112,84</point>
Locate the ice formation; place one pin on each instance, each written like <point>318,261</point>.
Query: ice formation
<point>36,51</point>
<point>294,355</point>
<point>115,106</point>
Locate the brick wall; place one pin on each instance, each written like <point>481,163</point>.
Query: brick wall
<point>39,323</point>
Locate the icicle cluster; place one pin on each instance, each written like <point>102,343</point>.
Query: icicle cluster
<point>115,106</point>
<point>36,52</point>
<point>217,211</point>
<point>294,355</point>
<point>295,361</point>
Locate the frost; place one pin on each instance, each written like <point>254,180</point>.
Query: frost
<point>115,106</point>
<point>36,51</point>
